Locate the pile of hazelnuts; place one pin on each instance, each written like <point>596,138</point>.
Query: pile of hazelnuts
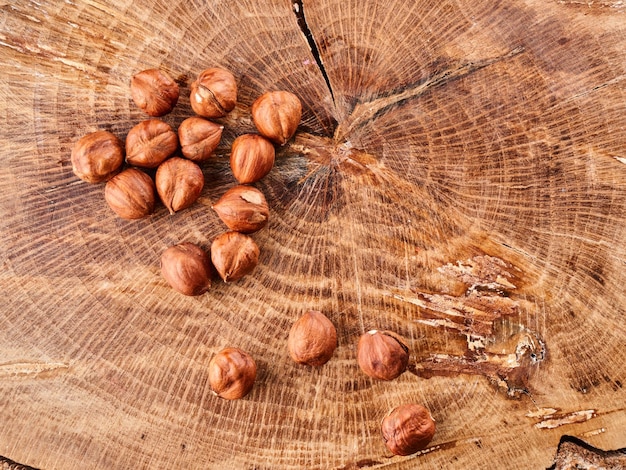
<point>178,181</point>
<point>131,192</point>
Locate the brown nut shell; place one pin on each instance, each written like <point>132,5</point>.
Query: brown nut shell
<point>130,194</point>
<point>234,255</point>
<point>97,156</point>
<point>232,373</point>
<point>187,268</point>
<point>382,355</point>
<point>154,92</point>
<point>276,115</point>
<point>214,93</point>
<point>312,339</point>
<point>179,183</point>
<point>243,209</point>
<point>149,143</point>
<point>252,157</point>
<point>408,429</point>
<point>199,138</point>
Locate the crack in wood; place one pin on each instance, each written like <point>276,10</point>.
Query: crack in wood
<point>298,9</point>
<point>367,111</point>
<point>573,453</point>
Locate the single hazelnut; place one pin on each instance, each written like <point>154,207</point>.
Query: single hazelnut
<point>187,268</point>
<point>243,209</point>
<point>408,429</point>
<point>149,143</point>
<point>251,158</point>
<point>232,373</point>
<point>234,255</point>
<point>276,115</point>
<point>179,183</point>
<point>98,156</point>
<point>199,138</point>
<point>130,194</point>
<point>154,92</point>
<point>312,339</point>
<point>214,93</point>
<point>382,355</point>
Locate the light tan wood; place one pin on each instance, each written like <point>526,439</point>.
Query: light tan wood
<point>463,185</point>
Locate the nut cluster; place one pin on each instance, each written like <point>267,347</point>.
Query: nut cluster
<point>382,355</point>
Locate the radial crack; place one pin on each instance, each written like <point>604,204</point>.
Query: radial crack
<point>298,9</point>
<point>365,112</point>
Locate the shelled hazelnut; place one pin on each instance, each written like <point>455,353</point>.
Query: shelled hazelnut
<point>234,255</point>
<point>408,429</point>
<point>312,339</point>
<point>149,143</point>
<point>382,355</point>
<point>232,373</point>
<point>252,157</point>
<point>276,115</point>
<point>179,183</point>
<point>199,138</point>
<point>213,93</point>
<point>130,194</point>
<point>187,268</point>
<point>243,209</point>
<point>97,156</point>
<point>154,92</point>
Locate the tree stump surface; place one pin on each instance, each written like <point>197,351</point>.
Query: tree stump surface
<point>459,178</point>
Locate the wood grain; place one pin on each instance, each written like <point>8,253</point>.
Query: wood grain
<point>459,177</point>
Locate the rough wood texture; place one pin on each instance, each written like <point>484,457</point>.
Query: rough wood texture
<point>462,182</point>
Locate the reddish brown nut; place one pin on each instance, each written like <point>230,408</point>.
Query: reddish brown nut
<point>154,92</point>
<point>130,194</point>
<point>98,156</point>
<point>234,255</point>
<point>276,115</point>
<point>232,373</point>
<point>243,209</point>
<point>382,355</point>
<point>408,429</point>
<point>312,339</point>
<point>149,143</point>
<point>187,268</point>
<point>199,138</point>
<point>179,183</point>
<point>251,158</point>
<point>214,93</point>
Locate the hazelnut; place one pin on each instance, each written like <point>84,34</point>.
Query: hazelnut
<point>179,183</point>
<point>408,429</point>
<point>187,268</point>
<point>154,92</point>
<point>214,93</point>
<point>199,138</point>
<point>149,143</point>
<point>243,209</point>
<point>276,115</point>
<point>312,339</point>
<point>382,355</point>
<point>98,156</point>
<point>251,158</point>
<point>232,373</point>
<point>234,255</point>
<point>130,194</point>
